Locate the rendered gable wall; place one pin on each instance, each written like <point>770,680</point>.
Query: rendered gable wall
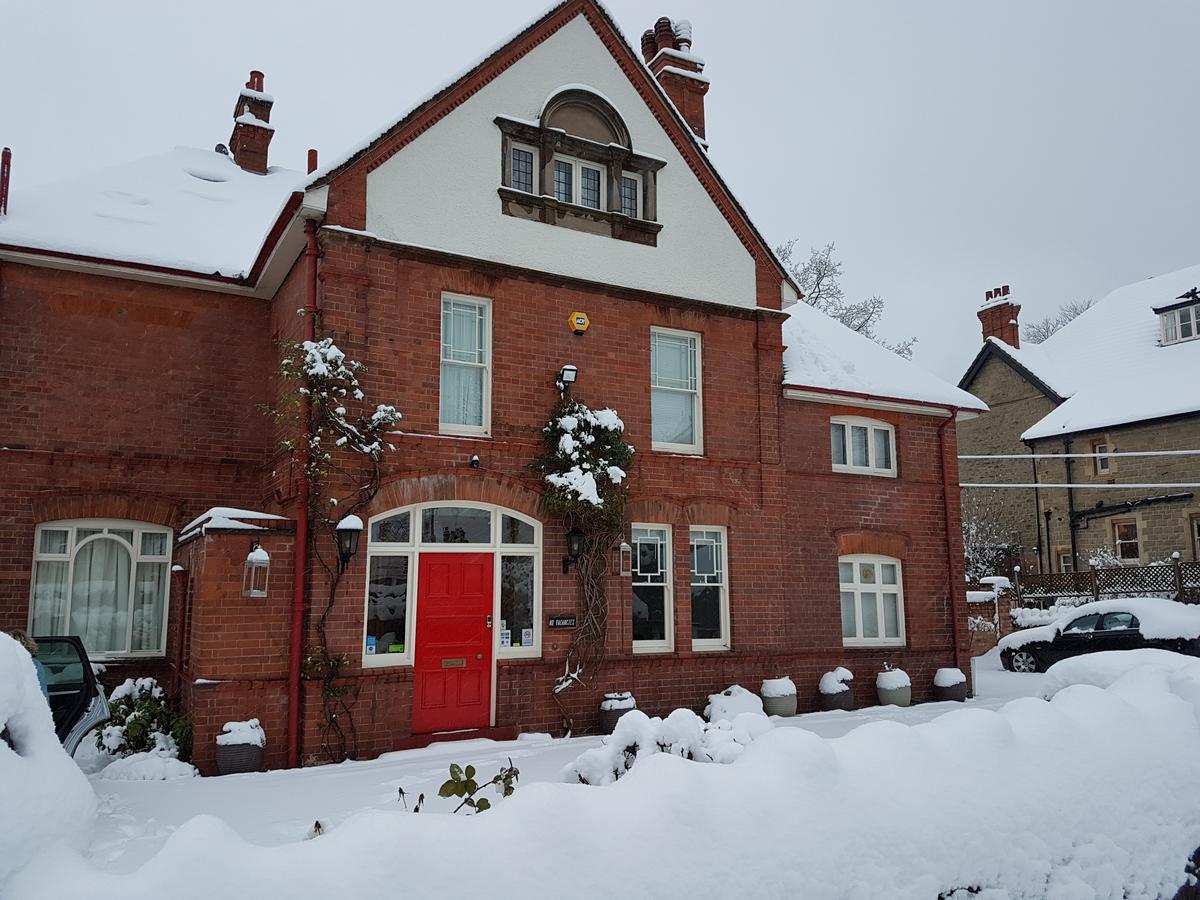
<point>440,190</point>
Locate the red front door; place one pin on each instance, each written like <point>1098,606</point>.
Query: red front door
<point>453,664</point>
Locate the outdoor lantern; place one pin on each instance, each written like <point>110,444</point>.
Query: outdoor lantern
<point>349,530</point>
<point>625,560</point>
<point>567,375</point>
<point>254,578</point>
<point>574,548</point>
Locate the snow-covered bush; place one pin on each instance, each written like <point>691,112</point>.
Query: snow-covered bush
<point>141,721</point>
<point>682,733</point>
<point>836,682</point>
<point>44,797</point>
<point>248,732</point>
<point>153,765</point>
<point>732,702</point>
<point>778,687</point>
<point>586,459</point>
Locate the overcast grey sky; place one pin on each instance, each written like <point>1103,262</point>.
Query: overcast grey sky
<point>946,147</point>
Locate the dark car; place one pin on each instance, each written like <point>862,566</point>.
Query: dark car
<point>76,700</point>
<point>1087,633</point>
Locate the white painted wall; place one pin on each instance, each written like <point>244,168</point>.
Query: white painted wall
<point>440,190</point>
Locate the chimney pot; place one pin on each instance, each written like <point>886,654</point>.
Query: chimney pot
<point>649,47</point>
<point>312,160</point>
<point>999,317</point>
<point>256,81</point>
<point>664,34</point>
<point>1005,290</point>
<point>987,297</point>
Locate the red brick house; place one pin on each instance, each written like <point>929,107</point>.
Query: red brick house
<point>788,513</point>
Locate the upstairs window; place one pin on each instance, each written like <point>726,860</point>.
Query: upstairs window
<point>522,162</point>
<point>864,446</point>
<point>578,182</point>
<point>631,192</point>
<point>675,407</point>
<point>1100,450</point>
<point>465,402</point>
<point>1182,324</point>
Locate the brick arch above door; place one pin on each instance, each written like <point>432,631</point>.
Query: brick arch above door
<point>880,543</point>
<point>136,506</point>
<point>426,487</point>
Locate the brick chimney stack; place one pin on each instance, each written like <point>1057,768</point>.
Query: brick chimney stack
<point>999,317</point>
<point>667,49</point>
<point>252,128</point>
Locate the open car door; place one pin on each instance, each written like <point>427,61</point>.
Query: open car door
<point>76,700</point>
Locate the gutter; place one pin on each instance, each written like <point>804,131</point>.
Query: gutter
<point>881,401</point>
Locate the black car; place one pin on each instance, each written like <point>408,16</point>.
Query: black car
<point>1089,633</point>
<point>76,700</point>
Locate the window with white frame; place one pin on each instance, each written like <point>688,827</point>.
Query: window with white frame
<point>397,538</point>
<point>631,195</point>
<point>579,182</point>
<point>652,611</point>
<point>872,596</point>
<point>465,402</point>
<point>710,589</point>
<point>1100,451</point>
<point>1182,324</point>
<point>522,168</point>
<point>1125,540</point>
<point>676,410</point>
<point>106,581</point>
<point>861,445</point>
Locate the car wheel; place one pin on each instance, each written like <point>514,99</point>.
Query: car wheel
<point>1023,661</point>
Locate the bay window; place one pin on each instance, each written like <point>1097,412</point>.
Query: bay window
<point>710,589</point>
<point>106,581</point>
<point>652,612</point>
<point>872,600</point>
<point>676,410</point>
<point>465,401</point>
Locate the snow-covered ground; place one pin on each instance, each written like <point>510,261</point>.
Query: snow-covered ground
<point>817,806</point>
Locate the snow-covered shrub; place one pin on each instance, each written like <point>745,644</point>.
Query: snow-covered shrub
<point>142,721</point>
<point>836,682</point>
<point>682,733</point>
<point>44,797</point>
<point>891,679</point>
<point>980,624</point>
<point>586,459</point>
<point>153,765</point>
<point>248,732</point>
<point>732,702</point>
<point>779,687</point>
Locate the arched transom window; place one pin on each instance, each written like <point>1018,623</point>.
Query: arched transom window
<point>395,540</point>
<point>105,581</point>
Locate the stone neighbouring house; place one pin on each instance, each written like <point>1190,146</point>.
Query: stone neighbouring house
<point>1119,378</point>
<point>563,174</point>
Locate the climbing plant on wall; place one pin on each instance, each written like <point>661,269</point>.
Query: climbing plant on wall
<point>585,465</point>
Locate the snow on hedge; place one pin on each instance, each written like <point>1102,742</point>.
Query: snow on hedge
<point>44,797</point>
<point>149,765</point>
<point>1159,620</point>
<point>886,811</point>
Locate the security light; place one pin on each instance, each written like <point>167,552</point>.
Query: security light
<point>567,375</point>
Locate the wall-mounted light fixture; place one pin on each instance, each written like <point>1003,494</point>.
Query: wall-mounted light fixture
<point>567,376</point>
<point>574,549</point>
<point>349,531</point>
<point>254,576</point>
<point>624,560</point>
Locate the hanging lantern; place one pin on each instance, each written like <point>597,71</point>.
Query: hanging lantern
<point>254,577</point>
<point>574,549</point>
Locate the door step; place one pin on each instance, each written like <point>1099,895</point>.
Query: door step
<point>416,741</point>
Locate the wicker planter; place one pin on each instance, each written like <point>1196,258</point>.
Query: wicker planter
<point>953,692</point>
<point>840,700</point>
<point>233,759</point>
<point>780,706</point>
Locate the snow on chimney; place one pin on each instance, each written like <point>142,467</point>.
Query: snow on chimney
<point>999,317</point>
<point>252,128</point>
<point>667,50</point>
<point>5,174</point>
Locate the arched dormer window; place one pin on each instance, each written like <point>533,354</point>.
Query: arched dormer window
<point>576,167</point>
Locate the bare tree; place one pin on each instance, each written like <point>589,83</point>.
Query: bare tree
<point>819,277</point>
<point>1036,332</point>
<point>986,543</point>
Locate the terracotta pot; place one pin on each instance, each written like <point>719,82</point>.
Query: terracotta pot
<point>234,759</point>
<point>840,700</point>
<point>895,696</point>
<point>953,692</point>
<point>780,706</point>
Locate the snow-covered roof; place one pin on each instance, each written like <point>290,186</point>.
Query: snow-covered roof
<point>186,209</point>
<point>226,518</point>
<point>823,353</point>
<point>1109,366</point>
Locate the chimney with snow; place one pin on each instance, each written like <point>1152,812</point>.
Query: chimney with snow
<point>252,128</point>
<point>999,317</point>
<point>667,49</point>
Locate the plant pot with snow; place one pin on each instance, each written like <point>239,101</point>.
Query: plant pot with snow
<point>949,684</point>
<point>779,696</point>
<point>612,707</point>
<point>835,689</point>
<point>893,686</point>
<point>240,747</point>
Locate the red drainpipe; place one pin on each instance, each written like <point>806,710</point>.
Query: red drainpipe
<point>5,175</point>
<point>952,579</point>
<point>301,552</point>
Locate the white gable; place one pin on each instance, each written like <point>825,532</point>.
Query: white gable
<point>440,190</point>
